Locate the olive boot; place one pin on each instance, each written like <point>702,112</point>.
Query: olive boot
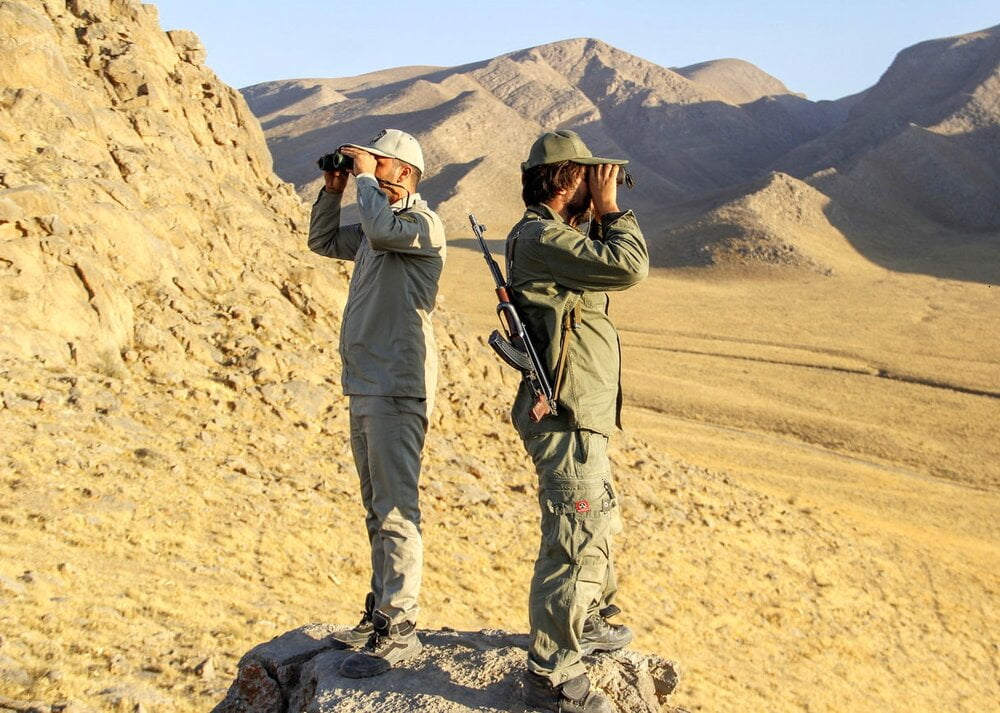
<point>387,646</point>
<point>574,696</point>
<point>600,635</point>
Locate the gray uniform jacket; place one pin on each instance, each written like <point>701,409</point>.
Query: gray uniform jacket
<point>386,339</point>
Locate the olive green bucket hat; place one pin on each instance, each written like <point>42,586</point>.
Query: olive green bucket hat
<point>564,145</point>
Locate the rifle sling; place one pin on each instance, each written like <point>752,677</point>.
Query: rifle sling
<point>570,323</point>
<point>572,319</point>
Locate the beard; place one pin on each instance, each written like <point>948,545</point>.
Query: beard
<point>578,210</point>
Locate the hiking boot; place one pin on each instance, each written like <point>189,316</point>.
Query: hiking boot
<point>574,696</point>
<point>600,635</point>
<point>387,646</point>
<point>355,638</point>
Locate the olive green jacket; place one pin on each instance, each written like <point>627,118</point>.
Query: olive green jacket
<point>386,339</point>
<point>552,267</point>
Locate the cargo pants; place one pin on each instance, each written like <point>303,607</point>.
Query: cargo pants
<point>387,437</point>
<point>574,573</point>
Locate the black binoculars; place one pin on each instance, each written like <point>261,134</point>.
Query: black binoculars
<point>335,161</point>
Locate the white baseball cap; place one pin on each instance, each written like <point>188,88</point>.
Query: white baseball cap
<point>394,143</point>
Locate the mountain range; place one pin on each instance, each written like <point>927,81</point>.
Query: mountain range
<point>905,174</point>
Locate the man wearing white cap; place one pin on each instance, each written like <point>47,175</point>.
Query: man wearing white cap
<point>389,373</point>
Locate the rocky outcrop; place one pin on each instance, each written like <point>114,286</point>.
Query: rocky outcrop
<point>456,672</point>
<point>138,208</point>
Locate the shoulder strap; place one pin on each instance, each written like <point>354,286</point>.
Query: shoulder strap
<point>572,319</point>
<point>512,243</point>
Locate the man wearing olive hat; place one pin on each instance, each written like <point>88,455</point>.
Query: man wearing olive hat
<point>558,278</point>
<point>389,373</point>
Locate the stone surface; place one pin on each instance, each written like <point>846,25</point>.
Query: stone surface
<point>456,672</point>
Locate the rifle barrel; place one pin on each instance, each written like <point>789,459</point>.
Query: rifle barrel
<point>477,229</point>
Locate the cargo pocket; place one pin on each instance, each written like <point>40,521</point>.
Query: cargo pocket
<point>576,530</point>
<point>613,508</point>
<point>591,534</point>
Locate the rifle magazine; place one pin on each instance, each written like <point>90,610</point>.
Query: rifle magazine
<point>508,353</point>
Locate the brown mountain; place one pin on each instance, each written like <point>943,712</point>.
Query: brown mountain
<point>735,79</point>
<point>909,167</point>
<point>684,137</point>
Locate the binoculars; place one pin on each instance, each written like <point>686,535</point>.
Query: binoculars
<point>335,161</point>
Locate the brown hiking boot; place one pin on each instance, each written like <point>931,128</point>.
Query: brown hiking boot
<point>600,635</point>
<point>355,638</point>
<point>574,696</point>
<point>387,646</point>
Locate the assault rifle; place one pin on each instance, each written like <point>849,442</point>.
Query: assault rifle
<point>514,347</point>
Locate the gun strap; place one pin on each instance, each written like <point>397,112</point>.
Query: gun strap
<point>509,251</point>
<point>570,323</point>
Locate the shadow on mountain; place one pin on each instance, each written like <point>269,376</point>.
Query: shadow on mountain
<point>444,184</point>
<point>435,77</point>
<point>295,157</point>
<point>279,120</point>
<point>923,202</point>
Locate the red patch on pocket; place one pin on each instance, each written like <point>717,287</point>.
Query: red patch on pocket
<point>582,506</point>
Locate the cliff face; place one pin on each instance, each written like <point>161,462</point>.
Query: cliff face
<point>138,205</point>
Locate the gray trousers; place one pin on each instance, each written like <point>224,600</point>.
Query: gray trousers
<point>574,573</point>
<point>387,436</point>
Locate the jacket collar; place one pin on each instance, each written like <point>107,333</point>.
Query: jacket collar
<point>404,203</point>
<point>543,212</point>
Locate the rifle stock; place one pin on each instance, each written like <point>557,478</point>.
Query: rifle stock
<point>514,346</point>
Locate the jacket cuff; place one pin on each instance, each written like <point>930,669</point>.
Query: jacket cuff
<point>609,218</point>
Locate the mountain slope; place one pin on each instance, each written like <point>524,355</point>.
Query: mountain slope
<point>735,79</point>
<point>682,137</point>
<point>925,138</point>
<point>917,154</point>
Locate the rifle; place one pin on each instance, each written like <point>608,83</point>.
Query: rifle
<point>514,347</point>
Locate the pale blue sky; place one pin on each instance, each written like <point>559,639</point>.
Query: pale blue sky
<point>825,49</point>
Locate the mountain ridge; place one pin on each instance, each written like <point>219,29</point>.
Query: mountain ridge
<point>725,124</point>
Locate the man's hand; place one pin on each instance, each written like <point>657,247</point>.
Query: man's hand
<point>364,162</point>
<point>603,183</point>
<point>336,181</point>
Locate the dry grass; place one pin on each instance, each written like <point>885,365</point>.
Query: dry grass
<point>867,403</point>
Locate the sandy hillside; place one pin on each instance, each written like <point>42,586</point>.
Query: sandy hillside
<point>812,528</point>
<point>866,402</point>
